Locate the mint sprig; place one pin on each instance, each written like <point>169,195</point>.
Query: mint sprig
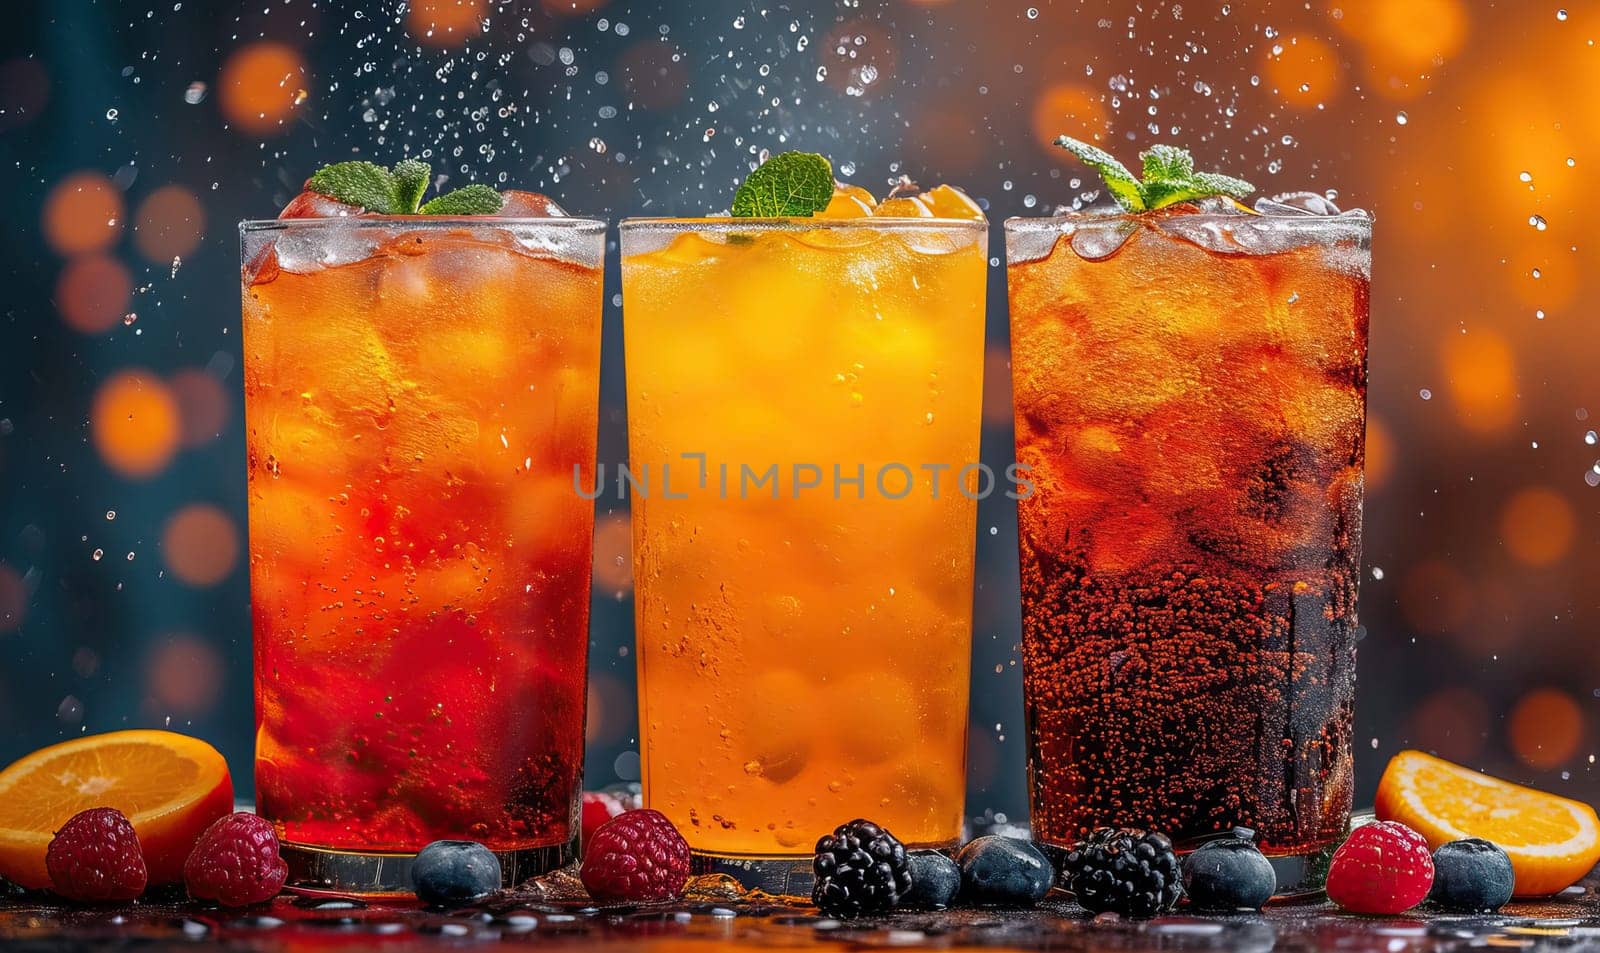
<point>788,185</point>
<point>399,191</point>
<point>1169,177</point>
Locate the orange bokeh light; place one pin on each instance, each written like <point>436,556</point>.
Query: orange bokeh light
<point>1451,723</point>
<point>200,545</point>
<point>613,554</point>
<point>1303,70</point>
<point>13,599</point>
<point>1067,109</point>
<point>185,675</point>
<point>83,213</point>
<point>260,85</point>
<point>1482,374</point>
<point>202,405</point>
<point>444,23</point>
<point>1545,728</point>
<point>1538,526</point>
<point>169,224</point>
<point>1380,453</point>
<point>93,292</point>
<point>1404,41</point>
<point>134,423</point>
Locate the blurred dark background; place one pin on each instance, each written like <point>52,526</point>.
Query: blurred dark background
<point>135,135</point>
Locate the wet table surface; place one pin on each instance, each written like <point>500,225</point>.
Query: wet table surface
<point>538,915</point>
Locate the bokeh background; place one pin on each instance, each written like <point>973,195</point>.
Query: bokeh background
<point>133,136</point>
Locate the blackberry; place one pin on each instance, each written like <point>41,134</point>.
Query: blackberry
<point>1123,870</point>
<point>860,869</point>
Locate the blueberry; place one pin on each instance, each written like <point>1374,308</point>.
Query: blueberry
<point>1003,871</point>
<point>1228,874</point>
<point>1472,876</point>
<point>453,873</point>
<point>935,881</point>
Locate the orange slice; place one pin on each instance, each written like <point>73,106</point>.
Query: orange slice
<point>1552,841</point>
<point>169,785</point>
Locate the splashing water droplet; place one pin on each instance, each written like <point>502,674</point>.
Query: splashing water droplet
<point>1538,222</point>
<point>1377,572</point>
<point>1561,15</point>
<point>1590,438</point>
<point>195,94</point>
<point>1401,117</point>
<point>111,114</point>
<point>1033,13</point>
<point>1425,394</point>
<point>97,555</point>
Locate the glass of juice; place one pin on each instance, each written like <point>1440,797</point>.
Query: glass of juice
<point>1190,397</point>
<point>804,411</point>
<point>418,392</point>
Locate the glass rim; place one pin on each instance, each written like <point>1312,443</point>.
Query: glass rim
<point>797,224</point>
<point>1049,223</point>
<point>573,223</point>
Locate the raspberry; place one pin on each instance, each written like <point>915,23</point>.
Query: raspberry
<point>236,862</point>
<point>96,857</point>
<point>598,807</point>
<point>1384,867</point>
<point>636,856</point>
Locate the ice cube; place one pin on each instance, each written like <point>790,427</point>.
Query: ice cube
<point>947,201</point>
<point>309,204</point>
<point>529,205</point>
<point>846,204</point>
<point>1099,240</point>
<point>1296,203</point>
<point>910,206</point>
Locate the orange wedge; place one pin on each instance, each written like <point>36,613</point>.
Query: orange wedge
<point>1552,841</point>
<point>170,786</point>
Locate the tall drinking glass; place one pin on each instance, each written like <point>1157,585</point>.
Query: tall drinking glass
<point>803,408</point>
<point>1190,395</point>
<point>417,394</point>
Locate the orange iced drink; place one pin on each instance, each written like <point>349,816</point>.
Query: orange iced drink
<point>812,388</point>
<point>418,393</point>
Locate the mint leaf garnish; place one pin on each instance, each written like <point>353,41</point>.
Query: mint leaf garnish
<point>467,200</point>
<point>1166,162</point>
<point>369,186</point>
<point>788,185</point>
<point>1119,181</point>
<point>1169,177</point>
<point>410,181</point>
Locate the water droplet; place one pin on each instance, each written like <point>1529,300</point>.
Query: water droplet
<point>97,555</point>
<point>1377,572</point>
<point>1033,13</point>
<point>111,114</point>
<point>1425,394</point>
<point>1525,177</point>
<point>1400,117</point>
<point>111,514</point>
<point>1561,15</point>
<point>195,94</point>
<point>1537,221</point>
<point>1590,438</point>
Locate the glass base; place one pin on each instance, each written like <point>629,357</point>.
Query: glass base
<point>1301,877</point>
<point>318,870</point>
<point>781,877</point>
